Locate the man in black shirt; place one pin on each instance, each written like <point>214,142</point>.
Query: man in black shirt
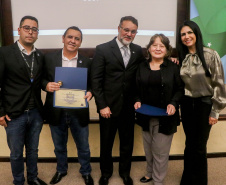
<point>20,100</point>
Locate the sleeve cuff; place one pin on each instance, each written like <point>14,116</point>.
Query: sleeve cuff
<point>214,115</point>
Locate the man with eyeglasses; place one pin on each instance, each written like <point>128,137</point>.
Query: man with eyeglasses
<point>113,74</point>
<point>20,100</point>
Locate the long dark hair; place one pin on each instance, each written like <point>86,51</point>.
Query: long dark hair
<point>183,50</point>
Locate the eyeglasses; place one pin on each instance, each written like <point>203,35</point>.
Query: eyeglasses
<point>28,28</point>
<point>133,32</point>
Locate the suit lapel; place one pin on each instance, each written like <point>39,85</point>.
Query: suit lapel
<point>38,62</point>
<point>79,61</point>
<point>20,61</point>
<point>58,59</point>
<point>116,52</point>
<point>132,55</point>
<point>38,57</point>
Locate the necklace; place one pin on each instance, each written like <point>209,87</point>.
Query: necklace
<point>32,65</point>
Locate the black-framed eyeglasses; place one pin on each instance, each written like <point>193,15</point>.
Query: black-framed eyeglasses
<point>133,32</point>
<point>28,28</point>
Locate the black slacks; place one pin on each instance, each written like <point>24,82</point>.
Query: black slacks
<point>195,119</point>
<point>124,123</point>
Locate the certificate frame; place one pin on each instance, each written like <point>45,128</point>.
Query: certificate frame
<point>151,110</point>
<point>73,88</point>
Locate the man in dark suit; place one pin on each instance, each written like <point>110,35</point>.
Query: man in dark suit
<point>113,83</point>
<point>60,119</point>
<point>20,100</point>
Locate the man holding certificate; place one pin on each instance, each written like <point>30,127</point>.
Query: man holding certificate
<point>61,117</point>
<point>113,83</point>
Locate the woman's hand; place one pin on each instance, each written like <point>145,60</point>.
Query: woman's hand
<point>137,105</point>
<point>212,120</point>
<point>170,110</point>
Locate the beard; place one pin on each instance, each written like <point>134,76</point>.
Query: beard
<point>125,42</point>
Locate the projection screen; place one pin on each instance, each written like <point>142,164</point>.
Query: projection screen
<point>98,19</point>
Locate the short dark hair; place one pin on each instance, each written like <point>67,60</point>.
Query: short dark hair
<point>164,40</point>
<point>183,50</point>
<point>129,18</point>
<point>73,28</point>
<point>28,17</point>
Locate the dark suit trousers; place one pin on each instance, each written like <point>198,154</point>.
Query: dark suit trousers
<point>195,118</point>
<point>124,123</point>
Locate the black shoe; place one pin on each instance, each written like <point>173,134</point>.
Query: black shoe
<point>103,180</point>
<point>36,182</point>
<point>57,177</point>
<point>144,179</point>
<point>127,180</point>
<point>88,179</point>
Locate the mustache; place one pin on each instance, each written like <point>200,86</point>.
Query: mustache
<point>127,37</point>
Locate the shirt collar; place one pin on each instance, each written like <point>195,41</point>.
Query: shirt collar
<point>65,58</point>
<point>22,49</point>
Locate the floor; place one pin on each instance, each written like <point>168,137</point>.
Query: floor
<point>217,168</point>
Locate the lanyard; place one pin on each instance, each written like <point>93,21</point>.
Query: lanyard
<point>32,65</point>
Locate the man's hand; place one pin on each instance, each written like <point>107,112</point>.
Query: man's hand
<point>52,86</point>
<point>170,110</point>
<point>2,120</point>
<point>137,105</point>
<point>212,120</point>
<point>175,60</point>
<point>105,112</point>
<point>88,96</point>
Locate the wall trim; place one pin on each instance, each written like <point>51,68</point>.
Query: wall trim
<point>115,159</point>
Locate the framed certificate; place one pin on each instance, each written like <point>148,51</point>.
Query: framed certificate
<point>73,83</point>
<point>70,98</point>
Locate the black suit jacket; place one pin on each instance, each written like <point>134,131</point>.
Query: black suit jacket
<point>52,114</point>
<point>114,85</point>
<point>15,83</point>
